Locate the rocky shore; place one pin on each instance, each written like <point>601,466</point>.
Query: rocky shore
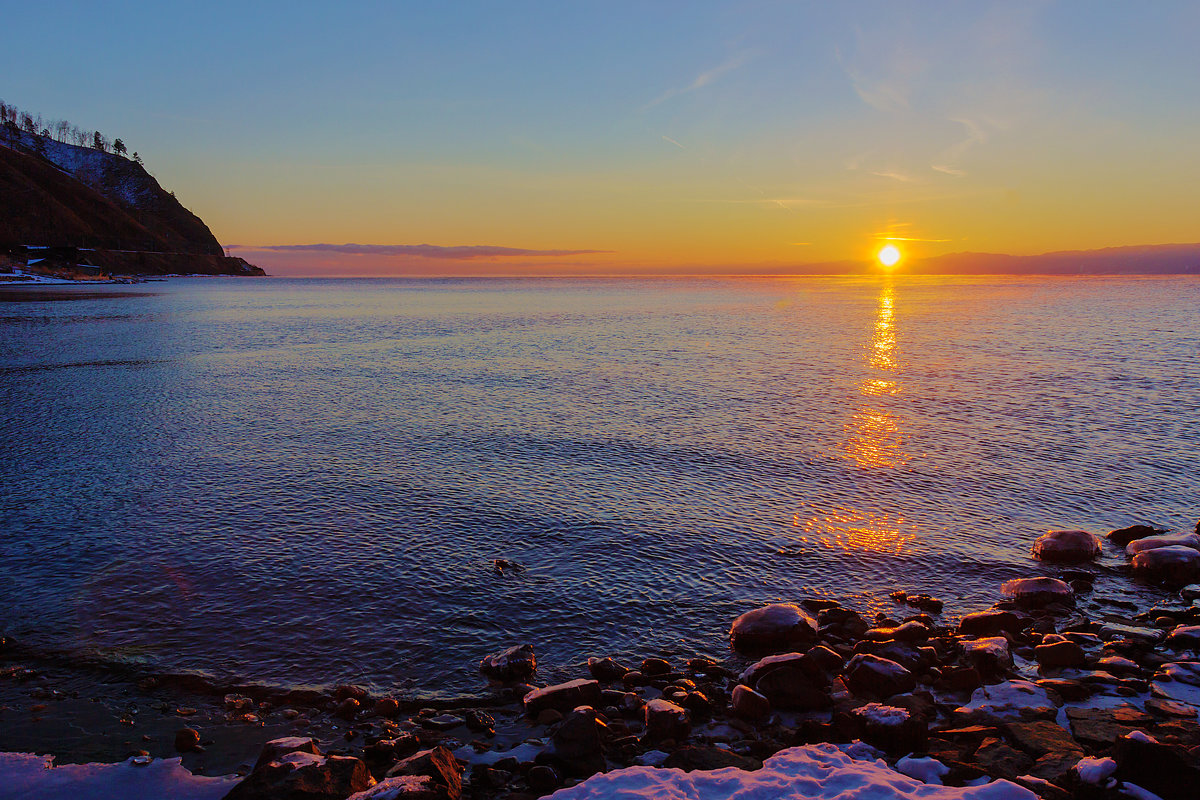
<point>1032,691</point>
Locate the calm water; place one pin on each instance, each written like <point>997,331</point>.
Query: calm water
<point>307,481</point>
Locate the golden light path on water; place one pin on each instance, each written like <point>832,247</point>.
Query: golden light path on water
<point>873,439</point>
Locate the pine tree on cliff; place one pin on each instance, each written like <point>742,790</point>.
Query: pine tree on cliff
<point>118,147</point>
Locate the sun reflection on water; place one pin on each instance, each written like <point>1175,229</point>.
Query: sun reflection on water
<point>852,529</point>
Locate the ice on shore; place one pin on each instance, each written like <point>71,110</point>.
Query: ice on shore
<point>814,772</point>
<point>24,775</point>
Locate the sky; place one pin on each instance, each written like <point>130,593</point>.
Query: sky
<point>647,137</point>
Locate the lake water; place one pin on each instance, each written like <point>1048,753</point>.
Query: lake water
<point>307,481</point>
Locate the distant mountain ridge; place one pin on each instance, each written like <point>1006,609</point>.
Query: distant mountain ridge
<point>59,195</point>
<point>1154,259</point>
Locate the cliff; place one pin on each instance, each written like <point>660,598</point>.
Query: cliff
<point>62,196</point>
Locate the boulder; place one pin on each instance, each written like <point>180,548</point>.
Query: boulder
<point>606,670</point>
<point>665,720</point>
<point>990,656</point>
<point>1060,654</point>
<point>277,748</point>
<point>911,631</point>
<point>773,628</point>
<point>1101,727</point>
<point>1040,736</point>
<point>749,704</point>
<point>186,740</point>
<point>999,760</point>
<point>873,676</point>
<point>514,664</point>
<point>438,764</point>
<point>793,688</point>
<point>403,787</point>
<point>1172,564</point>
<point>1011,700</point>
<point>890,728</point>
<point>301,775</point>
<point>1038,592</point>
<point>563,697</point>
<point>1066,546</point>
<point>1123,536</point>
<point>1163,540</point>
<point>577,743</point>
<point>1160,768</point>
<point>1184,637</point>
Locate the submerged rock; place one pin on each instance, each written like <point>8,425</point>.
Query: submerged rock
<point>775,627</point>
<point>516,663</point>
<point>1124,536</point>
<point>1066,546</point>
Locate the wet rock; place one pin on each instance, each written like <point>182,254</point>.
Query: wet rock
<point>689,759</point>
<point>908,655</point>
<point>793,688</point>
<point>1039,737</point>
<point>1160,768</point>
<point>1101,727</point>
<point>186,740</point>
<point>1056,766</point>
<point>847,621</point>
<point>1038,592</point>
<point>549,716</point>
<point>1123,536</point>
<point>348,708</point>
<point>1171,565</point>
<point>990,656</point>
<point>301,775</point>
<point>961,679</point>
<point>907,632</point>
<point>442,722</point>
<point>1184,637</point>
<point>989,623</point>
<point>387,707</point>
<point>890,728</point>
<point>577,743</point>
<point>1059,654</point>
<point>1190,540</point>
<point>1066,546</point>
<point>653,667</point>
<point>277,748</point>
<point>542,778</point>
<point>749,704</point>
<point>563,696</point>
<point>699,705</point>
<point>1115,630</point>
<point>775,627</point>
<point>438,764</point>
<point>873,676</point>
<point>606,670</point>
<point>1001,761</point>
<point>665,720</point>
<point>479,721</point>
<point>514,664</point>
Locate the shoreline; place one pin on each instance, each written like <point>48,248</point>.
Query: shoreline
<point>1099,671</point>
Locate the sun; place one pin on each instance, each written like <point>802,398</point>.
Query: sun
<point>888,255</point>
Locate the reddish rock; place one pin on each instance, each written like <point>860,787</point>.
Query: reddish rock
<point>989,623</point>
<point>1001,761</point>
<point>877,677</point>
<point>749,704</point>
<point>606,670</point>
<point>438,763</point>
<point>665,720</point>
<point>1038,592</point>
<point>1101,727</point>
<point>1123,536</point>
<point>1039,737</point>
<point>1060,654</point>
<point>775,627</point>
<point>514,664</point>
<point>300,775</point>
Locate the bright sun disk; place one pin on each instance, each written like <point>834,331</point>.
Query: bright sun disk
<point>888,255</point>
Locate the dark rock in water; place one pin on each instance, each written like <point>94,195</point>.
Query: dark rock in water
<point>845,620</point>
<point>1172,564</point>
<point>775,627</point>
<point>303,775</point>
<point>989,623</point>
<point>689,759</point>
<point>186,740</point>
<point>990,656</point>
<point>347,709</point>
<point>654,667</point>
<point>1101,727</point>
<point>563,697</point>
<point>516,663</point>
<point>438,764</point>
<point>1124,536</point>
<point>806,663</point>
<point>387,707</point>
<point>479,721</point>
<point>1038,592</point>
<point>1160,768</point>
<point>665,720</point>
<point>606,670</point>
<point>877,677</point>
<point>1001,761</point>
<point>577,743</point>
<point>906,654</point>
<point>1062,653</point>
<point>925,603</point>
<point>749,704</point>
<point>1066,546</point>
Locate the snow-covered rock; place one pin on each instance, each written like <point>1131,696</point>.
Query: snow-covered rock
<point>1010,700</point>
<point>814,772</point>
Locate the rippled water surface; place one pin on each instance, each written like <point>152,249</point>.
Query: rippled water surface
<point>302,481</point>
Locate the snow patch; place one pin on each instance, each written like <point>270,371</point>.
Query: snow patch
<point>879,714</point>
<point>24,775</point>
<point>926,770</point>
<point>815,772</point>
<point>1095,771</point>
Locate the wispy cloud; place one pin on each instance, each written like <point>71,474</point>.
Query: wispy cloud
<point>672,141</point>
<point>947,162</point>
<point>895,175</point>
<point>701,80</point>
<point>453,253</point>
